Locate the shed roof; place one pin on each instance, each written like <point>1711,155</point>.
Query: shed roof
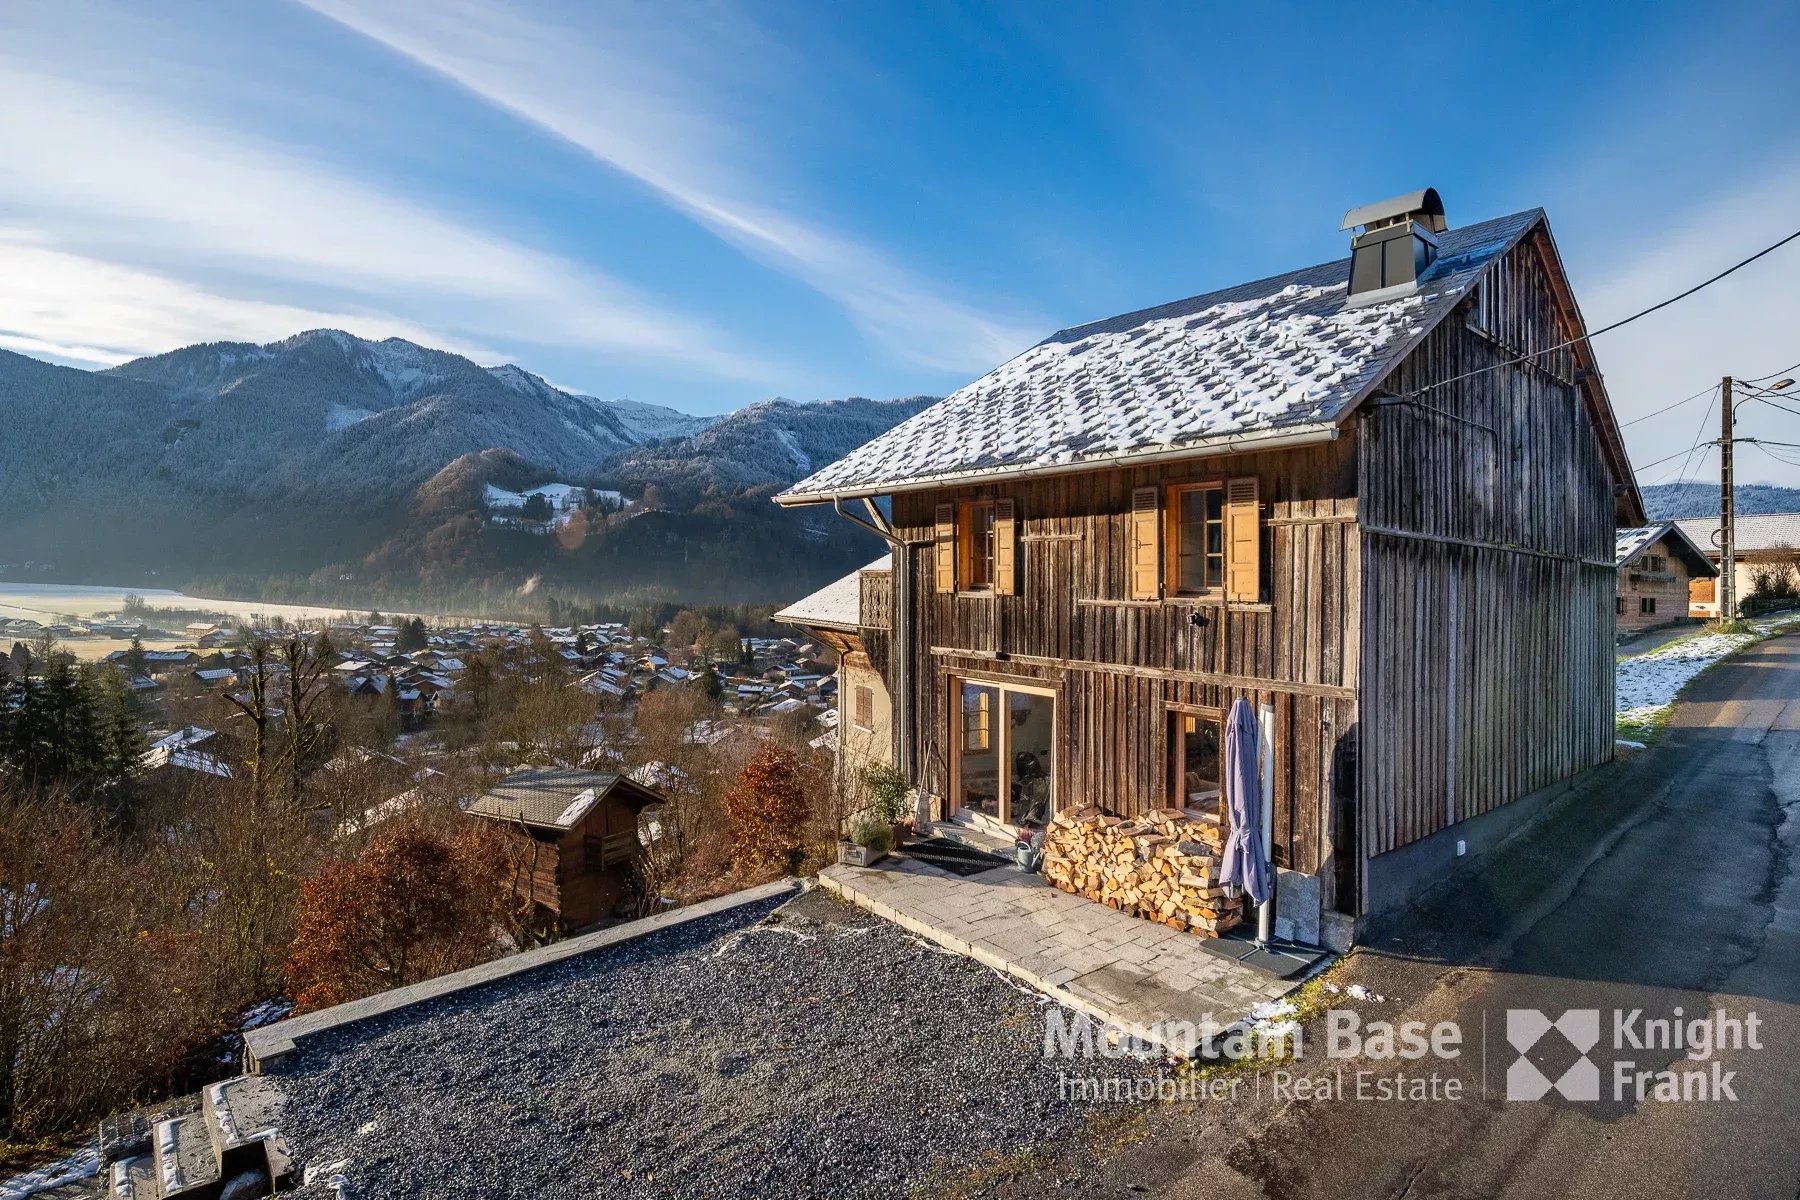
<point>837,605</point>
<point>1275,359</point>
<point>1630,544</point>
<point>554,798</point>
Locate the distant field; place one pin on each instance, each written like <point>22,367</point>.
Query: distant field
<point>50,602</point>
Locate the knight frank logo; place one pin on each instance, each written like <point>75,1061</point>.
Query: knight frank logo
<point>1650,1059</point>
<point>1526,1028</point>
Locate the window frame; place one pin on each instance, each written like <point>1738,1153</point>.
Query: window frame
<point>967,551</point>
<point>1175,719</point>
<point>1172,496</point>
<point>862,697</point>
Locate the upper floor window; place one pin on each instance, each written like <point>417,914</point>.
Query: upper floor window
<point>1196,532</point>
<point>863,714</point>
<point>1196,539</point>
<point>975,547</point>
<point>975,537</point>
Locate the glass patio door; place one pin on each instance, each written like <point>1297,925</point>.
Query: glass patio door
<point>1005,752</point>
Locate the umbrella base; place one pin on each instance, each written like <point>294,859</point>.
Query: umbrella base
<point>1280,959</point>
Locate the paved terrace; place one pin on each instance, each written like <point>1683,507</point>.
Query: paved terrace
<point>1090,957</point>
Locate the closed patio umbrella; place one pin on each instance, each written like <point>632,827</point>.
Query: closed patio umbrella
<point>1245,862</point>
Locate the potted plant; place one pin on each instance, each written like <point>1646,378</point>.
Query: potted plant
<point>867,846</point>
<point>890,800</point>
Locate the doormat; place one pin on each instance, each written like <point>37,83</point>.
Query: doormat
<point>947,855</point>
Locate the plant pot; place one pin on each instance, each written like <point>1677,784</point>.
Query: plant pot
<point>852,855</point>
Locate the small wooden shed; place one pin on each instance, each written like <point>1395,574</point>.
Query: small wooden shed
<point>583,826</point>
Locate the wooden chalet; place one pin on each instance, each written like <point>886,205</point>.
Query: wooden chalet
<point>848,615</point>
<point>1660,569</point>
<point>583,829</point>
<point>1376,496</point>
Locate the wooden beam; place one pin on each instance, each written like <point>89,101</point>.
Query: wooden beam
<point>1248,683</point>
<point>1500,547</point>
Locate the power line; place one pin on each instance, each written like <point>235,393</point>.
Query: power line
<point>1659,412</point>
<point>1705,419</point>
<point>1770,375</point>
<point>1737,266</point>
<point>1679,453</point>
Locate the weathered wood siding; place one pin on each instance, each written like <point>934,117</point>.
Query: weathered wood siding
<point>1489,584</point>
<point>1668,588</point>
<point>1117,664</point>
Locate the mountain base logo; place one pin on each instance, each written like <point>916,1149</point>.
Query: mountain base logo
<point>1538,1039</point>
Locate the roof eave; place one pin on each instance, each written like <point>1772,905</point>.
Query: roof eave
<point>1309,434</point>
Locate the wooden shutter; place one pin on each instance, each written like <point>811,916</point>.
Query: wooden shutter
<point>1243,542</point>
<point>1145,545</point>
<point>944,546</point>
<point>1006,548</point>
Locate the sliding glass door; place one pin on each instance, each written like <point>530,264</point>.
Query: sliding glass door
<point>1004,751</point>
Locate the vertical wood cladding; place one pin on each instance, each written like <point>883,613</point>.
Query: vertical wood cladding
<point>1488,557</point>
<point>1118,664</point>
<point>1434,621</point>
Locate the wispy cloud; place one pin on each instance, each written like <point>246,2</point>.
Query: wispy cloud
<point>1736,327</point>
<point>661,96</point>
<point>211,222</point>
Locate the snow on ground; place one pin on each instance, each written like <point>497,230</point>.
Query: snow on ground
<point>83,1164</point>
<point>1648,683</point>
<point>558,494</point>
<point>342,416</point>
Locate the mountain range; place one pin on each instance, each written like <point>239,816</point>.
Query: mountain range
<point>326,452</point>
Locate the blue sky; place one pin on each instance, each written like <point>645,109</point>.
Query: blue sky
<point>704,205</point>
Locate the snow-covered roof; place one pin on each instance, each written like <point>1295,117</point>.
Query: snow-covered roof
<point>1629,544</point>
<point>837,605</point>
<point>556,798</point>
<point>1279,357</point>
<point>1764,531</point>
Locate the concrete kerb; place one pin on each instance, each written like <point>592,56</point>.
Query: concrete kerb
<point>272,1043</point>
<point>986,957</point>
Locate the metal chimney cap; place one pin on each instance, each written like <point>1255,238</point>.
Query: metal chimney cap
<point>1424,203</point>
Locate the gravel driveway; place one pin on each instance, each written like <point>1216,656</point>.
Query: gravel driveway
<point>813,1050</point>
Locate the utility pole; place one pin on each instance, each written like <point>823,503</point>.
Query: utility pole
<point>1727,513</point>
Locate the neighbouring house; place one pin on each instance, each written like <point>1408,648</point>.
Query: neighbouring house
<point>851,615</point>
<point>583,832</point>
<point>1659,566</point>
<point>1377,497</point>
<point>1766,549</point>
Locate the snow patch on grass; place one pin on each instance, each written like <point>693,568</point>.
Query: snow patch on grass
<point>1646,686</point>
<point>83,1164</point>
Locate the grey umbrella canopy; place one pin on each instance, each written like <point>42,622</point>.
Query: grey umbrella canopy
<point>1245,863</point>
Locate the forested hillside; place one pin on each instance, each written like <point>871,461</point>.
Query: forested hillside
<point>331,467</point>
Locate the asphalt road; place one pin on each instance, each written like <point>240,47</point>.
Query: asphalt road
<point>1665,884</point>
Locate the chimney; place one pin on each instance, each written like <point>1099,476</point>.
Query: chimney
<point>1398,243</point>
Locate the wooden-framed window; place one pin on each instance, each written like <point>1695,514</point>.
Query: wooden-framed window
<point>1195,530</point>
<point>1656,564</point>
<point>1196,758</point>
<point>975,547</point>
<point>1201,539</point>
<point>1619,605</point>
<point>975,544</point>
<point>1647,606</point>
<point>978,719</point>
<point>862,713</point>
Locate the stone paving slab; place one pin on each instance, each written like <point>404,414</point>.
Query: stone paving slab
<point>1117,968</point>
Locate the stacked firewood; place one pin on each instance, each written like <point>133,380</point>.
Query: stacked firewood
<point>1164,866</point>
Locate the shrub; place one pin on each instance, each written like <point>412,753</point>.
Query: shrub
<point>411,906</point>
<point>768,809</point>
<point>889,793</point>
